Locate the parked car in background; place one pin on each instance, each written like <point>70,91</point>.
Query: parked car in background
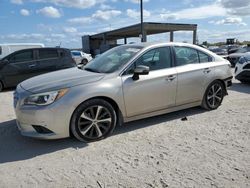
<point>242,68</point>
<point>125,83</point>
<point>81,58</point>
<point>233,48</point>
<point>27,63</point>
<point>234,57</point>
<point>6,49</point>
<point>220,51</point>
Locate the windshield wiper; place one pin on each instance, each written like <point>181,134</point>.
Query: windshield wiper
<point>91,70</point>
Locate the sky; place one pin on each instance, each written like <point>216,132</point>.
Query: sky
<point>63,22</point>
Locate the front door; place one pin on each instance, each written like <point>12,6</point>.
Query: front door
<point>22,65</point>
<point>152,92</point>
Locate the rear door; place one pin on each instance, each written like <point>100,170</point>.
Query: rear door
<point>22,65</point>
<point>194,70</point>
<point>47,60</point>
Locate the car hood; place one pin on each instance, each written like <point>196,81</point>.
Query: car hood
<point>60,79</point>
<point>236,55</point>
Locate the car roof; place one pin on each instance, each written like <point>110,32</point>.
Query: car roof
<point>160,44</point>
<point>148,44</point>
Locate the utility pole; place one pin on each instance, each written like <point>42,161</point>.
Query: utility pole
<point>142,33</point>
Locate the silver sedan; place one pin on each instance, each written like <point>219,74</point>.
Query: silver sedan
<point>126,83</point>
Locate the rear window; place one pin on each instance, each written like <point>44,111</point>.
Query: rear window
<point>204,57</point>
<point>185,55</point>
<point>76,53</point>
<point>48,53</point>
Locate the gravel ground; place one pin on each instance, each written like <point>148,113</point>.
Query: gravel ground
<point>209,149</point>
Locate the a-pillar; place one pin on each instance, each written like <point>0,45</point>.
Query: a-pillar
<point>171,36</point>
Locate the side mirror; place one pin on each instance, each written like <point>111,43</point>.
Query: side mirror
<point>140,70</point>
<point>3,63</point>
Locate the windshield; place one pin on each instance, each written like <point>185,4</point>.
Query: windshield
<point>113,59</point>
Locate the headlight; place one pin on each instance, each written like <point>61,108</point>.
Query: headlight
<point>242,60</point>
<point>47,98</point>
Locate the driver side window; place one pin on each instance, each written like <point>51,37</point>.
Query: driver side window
<point>22,56</point>
<point>156,59</point>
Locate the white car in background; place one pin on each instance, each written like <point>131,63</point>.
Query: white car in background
<point>81,58</point>
<point>242,68</point>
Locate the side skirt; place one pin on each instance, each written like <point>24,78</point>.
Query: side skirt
<point>160,112</point>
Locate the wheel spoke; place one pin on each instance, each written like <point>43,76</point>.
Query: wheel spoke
<point>209,97</point>
<point>104,120</point>
<point>98,131</point>
<point>86,129</point>
<point>213,89</point>
<point>84,123</point>
<point>219,89</point>
<point>213,101</point>
<point>84,116</point>
<point>217,97</point>
<point>98,112</point>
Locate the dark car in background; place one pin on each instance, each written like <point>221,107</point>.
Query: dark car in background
<point>24,64</point>
<point>234,57</point>
<point>219,51</point>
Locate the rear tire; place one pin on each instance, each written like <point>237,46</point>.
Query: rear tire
<point>213,96</point>
<point>93,120</point>
<point>84,62</point>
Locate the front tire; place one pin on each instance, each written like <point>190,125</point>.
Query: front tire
<point>213,96</point>
<point>93,120</point>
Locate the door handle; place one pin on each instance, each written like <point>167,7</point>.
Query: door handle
<point>32,65</point>
<point>170,78</point>
<point>207,70</point>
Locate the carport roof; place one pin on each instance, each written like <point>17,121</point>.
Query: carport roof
<point>149,27</point>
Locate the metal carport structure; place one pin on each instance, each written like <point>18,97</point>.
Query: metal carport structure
<point>105,40</point>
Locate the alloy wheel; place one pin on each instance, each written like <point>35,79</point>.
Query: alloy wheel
<point>94,122</point>
<point>215,95</point>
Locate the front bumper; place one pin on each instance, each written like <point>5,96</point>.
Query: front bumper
<point>55,118</point>
<point>228,81</point>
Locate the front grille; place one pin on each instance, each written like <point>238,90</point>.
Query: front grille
<point>233,59</point>
<point>247,66</point>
